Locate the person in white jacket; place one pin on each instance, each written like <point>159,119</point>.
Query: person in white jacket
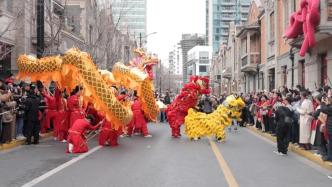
<point>305,120</point>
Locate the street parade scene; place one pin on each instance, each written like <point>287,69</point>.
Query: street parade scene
<point>89,96</point>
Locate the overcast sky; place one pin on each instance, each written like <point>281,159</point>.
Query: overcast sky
<point>171,18</point>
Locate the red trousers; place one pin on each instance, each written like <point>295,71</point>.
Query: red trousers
<point>63,124</point>
<point>143,128</point>
<point>108,135</point>
<point>175,126</point>
<point>50,115</point>
<point>79,143</point>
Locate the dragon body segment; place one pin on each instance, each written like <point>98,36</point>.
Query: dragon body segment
<point>77,68</point>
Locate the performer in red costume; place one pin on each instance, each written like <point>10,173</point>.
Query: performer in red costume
<point>108,135</point>
<point>138,122</point>
<point>61,117</point>
<point>91,110</point>
<point>76,140</point>
<point>75,110</point>
<point>122,98</point>
<point>51,112</point>
<point>178,109</point>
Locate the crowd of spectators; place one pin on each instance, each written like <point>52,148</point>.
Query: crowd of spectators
<point>22,108</point>
<point>299,116</point>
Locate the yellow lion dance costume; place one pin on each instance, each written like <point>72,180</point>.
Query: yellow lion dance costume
<point>77,68</point>
<point>198,124</point>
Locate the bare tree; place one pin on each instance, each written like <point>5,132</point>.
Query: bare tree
<point>109,44</point>
<point>11,26</point>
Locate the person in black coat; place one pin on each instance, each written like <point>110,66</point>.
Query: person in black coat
<point>284,120</point>
<point>326,108</point>
<point>32,124</point>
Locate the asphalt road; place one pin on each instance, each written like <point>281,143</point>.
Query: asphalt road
<point>244,160</point>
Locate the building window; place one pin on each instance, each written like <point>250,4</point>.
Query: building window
<point>323,70</point>
<point>286,8</point>
<point>284,74</point>
<point>216,38</point>
<point>217,30</point>
<point>243,47</point>
<point>293,5</point>
<point>202,69</point>
<point>272,26</point>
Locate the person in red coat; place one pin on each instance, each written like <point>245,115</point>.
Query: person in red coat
<point>51,112</point>
<point>61,117</point>
<point>74,107</point>
<point>138,122</point>
<point>76,142</point>
<point>108,135</point>
<point>122,97</point>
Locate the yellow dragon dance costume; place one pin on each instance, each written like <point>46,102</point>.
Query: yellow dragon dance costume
<point>198,124</point>
<point>77,68</point>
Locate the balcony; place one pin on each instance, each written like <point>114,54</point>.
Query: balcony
<point>249,62</point>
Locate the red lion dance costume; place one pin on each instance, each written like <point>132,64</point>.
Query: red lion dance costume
<point>178,109</point>
<point>304,21</point>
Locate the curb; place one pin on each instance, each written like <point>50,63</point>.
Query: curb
<point>306,154</point>
<point>16,143</point>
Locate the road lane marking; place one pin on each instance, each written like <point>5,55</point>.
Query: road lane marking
<point>223,165</point>
<point>61,167</point>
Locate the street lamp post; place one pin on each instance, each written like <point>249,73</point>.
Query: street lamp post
<point>40,28</point>
<point>258,75</point>
<point>141,37</point>
<point>160,74</point>
<point>291,57</point>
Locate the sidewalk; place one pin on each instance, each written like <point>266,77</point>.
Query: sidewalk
<point>16,143</point>
<point>306,154</point>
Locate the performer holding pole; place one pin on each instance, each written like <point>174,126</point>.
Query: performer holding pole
<point>61,117</point>
<point>77,142</point>
<point>139,121</point>
<point>51,112</point>
<point>108,135</point>
<point>74,106</point>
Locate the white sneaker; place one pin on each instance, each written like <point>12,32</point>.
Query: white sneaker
<point>276,152</point>
<point>137,133</point>
<point>196,139</point>
<point>279,153</point>
<point>20,138</point>
<point>330,176</point>
<point>122,136</point>
<point>148,136</point>
<point>318,155</point>
<point>64,141</point>
<point>55,139</point>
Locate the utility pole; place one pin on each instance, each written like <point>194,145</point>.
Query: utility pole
<point>291,56</point>
<point>160,75</point>
<point>140,40</point>
<point>40,28</point>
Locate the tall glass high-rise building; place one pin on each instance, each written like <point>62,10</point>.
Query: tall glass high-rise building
<point>130,16</point>
<point>219,13</point>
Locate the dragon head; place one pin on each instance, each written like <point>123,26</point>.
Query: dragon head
<point>144,62</point>
<point>202,84</point>
<point>234,105</point>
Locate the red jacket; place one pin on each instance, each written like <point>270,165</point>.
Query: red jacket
<point>50,102</point>
<point>80,126</point>
<point>73,103</point>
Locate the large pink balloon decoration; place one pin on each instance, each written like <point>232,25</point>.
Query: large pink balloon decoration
<point>304,21</point>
